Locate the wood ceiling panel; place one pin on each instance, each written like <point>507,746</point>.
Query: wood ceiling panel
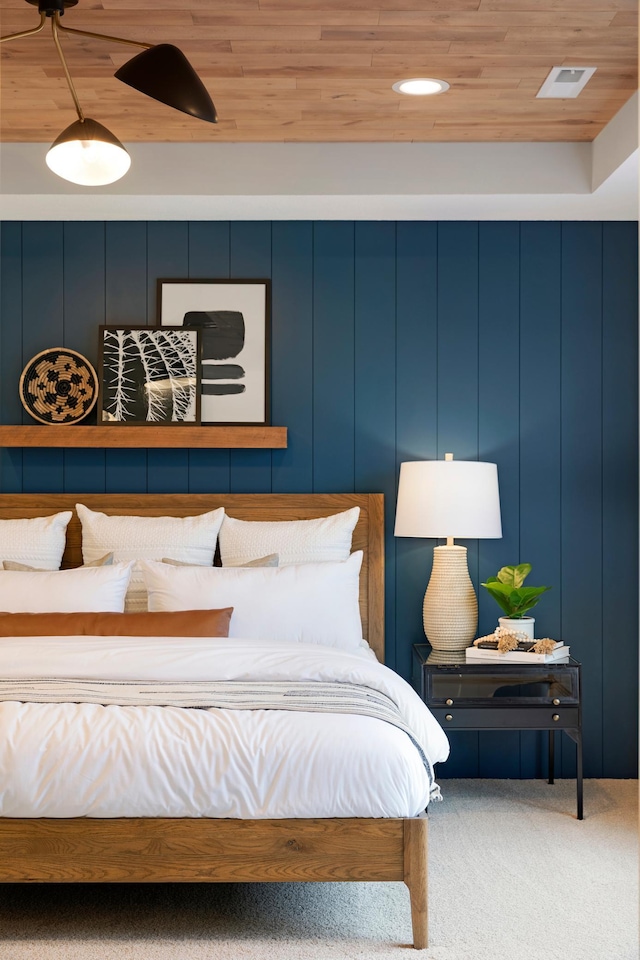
<point>288,70</point>
<point>488,18</point>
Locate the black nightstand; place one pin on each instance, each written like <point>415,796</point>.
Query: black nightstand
<point>486,696</point>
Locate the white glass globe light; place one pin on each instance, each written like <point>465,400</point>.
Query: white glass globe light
<point>421,86</point>
<point>88,154</point>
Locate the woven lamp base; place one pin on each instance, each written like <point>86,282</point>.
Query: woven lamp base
<point>450,611</point>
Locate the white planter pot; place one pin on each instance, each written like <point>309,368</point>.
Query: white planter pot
<point>523,625</point>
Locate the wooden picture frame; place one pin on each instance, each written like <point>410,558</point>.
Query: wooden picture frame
<point>235,319</point>
<point>145,377</point>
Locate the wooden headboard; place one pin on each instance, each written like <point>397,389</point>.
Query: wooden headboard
<point>368,535</point>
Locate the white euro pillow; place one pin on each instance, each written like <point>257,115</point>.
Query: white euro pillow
<point>188,539</point>
<point>37,542</point>
<point>82,590</point>
<point>295,541</point>
<point>302,603</point>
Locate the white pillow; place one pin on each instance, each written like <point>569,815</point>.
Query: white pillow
<point>83,590</point>
<point>38,542</point>
<point>304,603</point>
<point>190,539</point>
<point>295,541</point>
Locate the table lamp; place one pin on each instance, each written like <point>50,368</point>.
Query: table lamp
<point>449,498</point>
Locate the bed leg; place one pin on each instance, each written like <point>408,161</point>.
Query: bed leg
<point>415,877</point>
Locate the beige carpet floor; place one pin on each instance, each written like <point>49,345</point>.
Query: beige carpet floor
<point>513,877</point>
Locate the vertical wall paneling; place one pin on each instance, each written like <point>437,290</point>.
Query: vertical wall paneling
<point>333,357</point>
<point>292,354</point>
<point>125,302</point>
<point>42,327</point>
<point>10,347</point>
<point>84,297</point>
<point>540,440</point>
<point>498,436</point>
<point>458,340</point>
<point>167,256</point>
<point>126,293</point>
<point>416,411</point>
<point>375,385</point>
<point>251,258</point>
<point>619,500</point>
<point>581,413</point>
<point>209,254</point>
<point>458,348</point>
<point>458,393</point>
<point>509,342</point>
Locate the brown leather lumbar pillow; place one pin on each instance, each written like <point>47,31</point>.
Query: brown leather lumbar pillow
<point>181,623</point>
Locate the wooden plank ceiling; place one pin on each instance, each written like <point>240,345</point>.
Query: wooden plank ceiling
<point>321,70</point>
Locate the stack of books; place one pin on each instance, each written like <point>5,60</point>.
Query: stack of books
<point>487,651</point>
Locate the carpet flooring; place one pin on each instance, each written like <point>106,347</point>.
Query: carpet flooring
<point>513,876</point>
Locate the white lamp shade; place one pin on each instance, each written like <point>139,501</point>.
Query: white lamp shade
<point>89,154</point>
<point>448,498</point>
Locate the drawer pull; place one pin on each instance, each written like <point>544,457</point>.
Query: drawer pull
<point>555,716</point>
<point>449,702</point>
<point>448,716</point>
<point>556,702</point>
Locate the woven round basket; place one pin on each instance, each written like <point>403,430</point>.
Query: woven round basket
<point>58,386</point>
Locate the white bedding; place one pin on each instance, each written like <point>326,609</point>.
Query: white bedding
<point>70,760</point>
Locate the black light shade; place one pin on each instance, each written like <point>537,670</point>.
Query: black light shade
<point>164,73</point>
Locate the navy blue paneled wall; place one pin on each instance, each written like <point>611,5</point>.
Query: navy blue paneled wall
<point>391,341</point>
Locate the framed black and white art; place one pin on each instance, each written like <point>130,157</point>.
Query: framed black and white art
<point>233,316</point>
<point>149,375</point>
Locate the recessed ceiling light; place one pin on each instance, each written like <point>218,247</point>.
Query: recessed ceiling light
<point>421,86</point>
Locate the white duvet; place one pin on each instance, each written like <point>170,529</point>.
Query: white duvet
<point>71,760</point>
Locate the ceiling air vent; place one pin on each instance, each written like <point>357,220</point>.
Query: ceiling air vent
<point>565,82</point>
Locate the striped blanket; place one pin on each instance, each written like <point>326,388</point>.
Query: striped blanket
<point>306,696</point>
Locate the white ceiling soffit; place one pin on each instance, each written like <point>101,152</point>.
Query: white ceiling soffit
<point>377,181</point>
<point>616,142</point>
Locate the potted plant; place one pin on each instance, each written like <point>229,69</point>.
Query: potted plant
<point>508,591</point>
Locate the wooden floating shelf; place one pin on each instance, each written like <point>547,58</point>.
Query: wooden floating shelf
<point>185,437</point>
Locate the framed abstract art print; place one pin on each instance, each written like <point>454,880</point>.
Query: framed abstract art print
<point>233,317</point>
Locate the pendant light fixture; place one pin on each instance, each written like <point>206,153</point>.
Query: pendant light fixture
<point>164,73</point>
<point>89,154</point>
<point>86,152</point>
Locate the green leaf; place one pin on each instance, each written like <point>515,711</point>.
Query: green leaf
<point>496,585</point>
<point>501,599</point>
<point>514,576</point>
<point>522,572</point>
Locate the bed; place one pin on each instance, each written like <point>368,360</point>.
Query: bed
<point>210,849</point>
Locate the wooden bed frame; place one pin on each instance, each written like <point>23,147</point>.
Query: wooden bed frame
<point>141,850</point>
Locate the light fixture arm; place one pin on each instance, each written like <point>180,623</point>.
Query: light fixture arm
<point>26,33</point>
<point>81,33</point>
<point>160,71</point>
<point>54,30</point>
<point>101,36</point>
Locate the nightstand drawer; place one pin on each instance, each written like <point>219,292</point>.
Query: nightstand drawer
<point>538,685</point>
<point>510,718</point>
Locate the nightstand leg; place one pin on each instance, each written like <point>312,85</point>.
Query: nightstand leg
<point>552,747</point>
<point>579,775</point>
